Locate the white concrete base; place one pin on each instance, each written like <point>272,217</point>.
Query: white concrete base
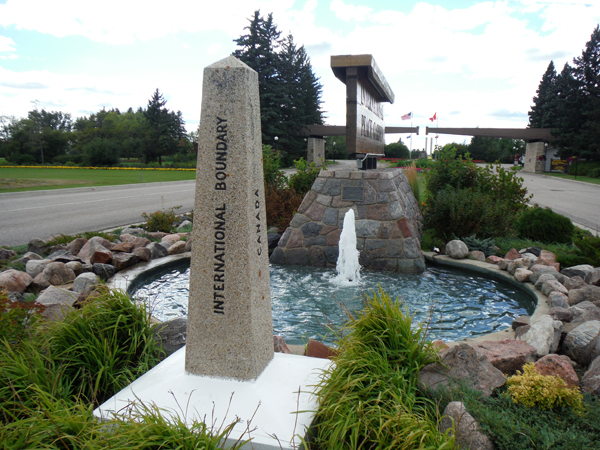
<point>271,401</point>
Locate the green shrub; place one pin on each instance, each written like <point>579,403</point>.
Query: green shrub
<point>17,319</point>
<point>544,225</point>
<point>101,152</point>
<point>450,170</point>
<point>305,176</point>
<point>466,212</point>
<point>487,246</point>
<point>160,220</point>
<point>369,398</point>
<point>585,250</point>
<point>271,164</point>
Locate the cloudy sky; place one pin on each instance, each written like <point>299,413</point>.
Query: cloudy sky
<point>474,63</point>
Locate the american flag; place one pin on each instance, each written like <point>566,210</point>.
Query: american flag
<point>407,116</point>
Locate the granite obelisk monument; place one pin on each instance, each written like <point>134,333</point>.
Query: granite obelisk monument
<point>230,331</point>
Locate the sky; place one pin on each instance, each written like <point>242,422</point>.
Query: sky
<point>472,63</point>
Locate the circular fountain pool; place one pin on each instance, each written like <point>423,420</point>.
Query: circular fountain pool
<point>304,299</point>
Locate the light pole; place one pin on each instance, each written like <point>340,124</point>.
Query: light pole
<point>333,151</point>
<point>276,139</point>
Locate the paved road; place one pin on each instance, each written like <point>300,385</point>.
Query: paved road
<point>25,215</point>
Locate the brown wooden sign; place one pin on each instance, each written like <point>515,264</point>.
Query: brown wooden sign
<point>366,91</point>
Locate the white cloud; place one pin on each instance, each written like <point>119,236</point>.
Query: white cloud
<point>350,12</point>
<point>7,44</point>
<point>214,49</point>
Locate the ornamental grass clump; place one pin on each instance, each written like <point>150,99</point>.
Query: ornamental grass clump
<point>530,389</point>
<point>369,397</point>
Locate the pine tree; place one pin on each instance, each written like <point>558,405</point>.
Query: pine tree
<point>290,93</point>
<point>541,114</point>
<point>166,129</point>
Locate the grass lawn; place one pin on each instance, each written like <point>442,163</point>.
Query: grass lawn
<point>27,179</point>
<point>572,177</point>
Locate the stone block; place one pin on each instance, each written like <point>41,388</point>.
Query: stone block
<point>311,229</point>
<point>404,228</point>
<point>367,228</point>
<point>315,211</point>
<point>297,257</point>
<point>316,256</point>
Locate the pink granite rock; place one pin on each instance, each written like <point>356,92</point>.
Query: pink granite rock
<point>512,254</point>
<point>177,248</point>
<point>279,345</point>
<point>522,275</point>
<point>87,250</point>
<point>493,259</point>
<point>507,355</point>
<point>75,246</point>
<point>316,349</point>
<point>171,238</point>
<point>143,253</point>
<point>100,255</point>
<point>558,366</point>
<point>477,255</point>
<point>12,280</point>
<point>125,247</point>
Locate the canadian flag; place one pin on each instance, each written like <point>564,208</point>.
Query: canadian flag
<point>434,117</point>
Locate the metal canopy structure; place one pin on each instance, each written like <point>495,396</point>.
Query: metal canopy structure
<point>340,130</point>
<point>526,134</point>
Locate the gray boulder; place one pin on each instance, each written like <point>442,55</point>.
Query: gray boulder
<point>104,271</point>
<point>133,231</point>
<point>75,246</point>
<point>574,283</point>
<point>35,267</point>
<point>183,225</point>
<point>29,256</point>
<point>58,302</point>
<point>539,270</point>
<point>468,434</point>
<point>591,379</point>
<point>6,253</point>
<point>75,266</point>
<point>54,274</point>
<point>586,293</point>
<point>157,250</point>
<point>122,261</point>
<point>38,246</point>
<point>553,286</point>
<point>84,281</point>
<point>462,363</point>
<point>171,334</point>
<point>556,299</point>
<point>584,312</point>
<point>143,254</point>
<point>544,335</point>
<point>582,344</point>
<point>577,271</point>
<point>542,279</point>
<point>562,314</point>
<point>593,277</point>
<point>457,249</point>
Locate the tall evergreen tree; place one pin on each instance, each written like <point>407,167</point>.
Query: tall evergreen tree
<point>290,93</point>
<point>543,111</point>
<point>166,129</point>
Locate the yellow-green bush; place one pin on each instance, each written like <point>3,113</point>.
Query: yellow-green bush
<point>530,388</point>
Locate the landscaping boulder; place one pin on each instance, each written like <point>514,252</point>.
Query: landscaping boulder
<point>132,231</point>
<point>493,259</point>
<point>280,346</point>
<point>549,259</point>
<point>584,312</point>
<point>171,334</point>
<point>591,379</point>
<point>124,247</point>
<point>541,280</point>
<point>35,267</point>
<point>556,299</point>
<point>171,238</point>
<point>54,274</point>
<point>582,344</point>
<point>507,355</point>
<point>75,246</point>
<point>143,254</point>
<point>85,280</point>
<point>520,321</point>
<point>558,366</point>
<point>177,248</point>
<point>316,349</point>
<point>577,271</point>
<point>137,241</point>
<point>477,255</point>
<point>38,246</point>
<point>157,250</point>
<point>184,225</point>
<point>156,234</point>
<point>519,332</point>
<point>58,302</point>
<point>468,435</point>
<point>522,275</point>
<point>593,277</point>
<point>75,266</point>
<point>562,314</point>
<point>100,254</point>
<point>553,286</point>
<point>63,256</point>
<point>86,252</point>
<point>122,261</point>
<point>29,256</point>
<point>539,270</point>
<point>104,271</point>
<point>544,335</point>
<point>457,249</point>
<point>12,280</point>
<point>462,363</point>
<point>574,283</point>
<point>586,293</point>
<point>188,245</point>
<point>512,254</point>
<point>5,253</point>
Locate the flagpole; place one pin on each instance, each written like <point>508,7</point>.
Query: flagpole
<point>410,155</point>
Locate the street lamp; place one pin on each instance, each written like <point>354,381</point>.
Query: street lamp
<point>333,151</point>
<point>276,139</point>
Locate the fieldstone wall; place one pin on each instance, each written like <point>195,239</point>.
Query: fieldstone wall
<point>533,151</point>
<point>316,151</point>
<point>388,222</point>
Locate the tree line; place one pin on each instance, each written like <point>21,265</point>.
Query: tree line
<point>100,139</point>
<point>569,103</point>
